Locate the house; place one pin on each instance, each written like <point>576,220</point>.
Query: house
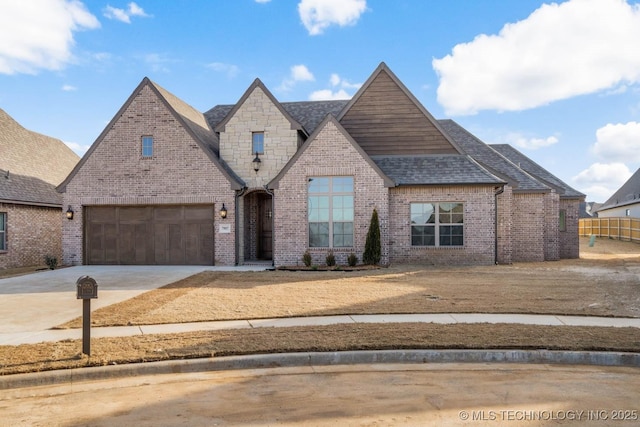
<point>625,202</point>
<point>266,181</point>
<point>31,166</point>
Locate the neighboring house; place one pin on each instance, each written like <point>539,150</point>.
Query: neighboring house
<point>265,181</point>
<point>31,214</point>
<point>625,201</point>
<point>589,209</point>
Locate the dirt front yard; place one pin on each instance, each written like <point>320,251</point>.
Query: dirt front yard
<point>604,282</point>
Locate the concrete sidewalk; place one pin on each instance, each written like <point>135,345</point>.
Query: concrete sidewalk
<point>31,337</point>
<point>42,300</point>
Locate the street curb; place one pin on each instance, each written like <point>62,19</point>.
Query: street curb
<point>278,360</point>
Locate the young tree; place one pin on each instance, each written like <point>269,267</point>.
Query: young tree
<point>373,247</point>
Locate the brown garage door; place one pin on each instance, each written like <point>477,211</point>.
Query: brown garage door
<point>148,235</point>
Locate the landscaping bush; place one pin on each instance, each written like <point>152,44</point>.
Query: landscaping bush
<point>306,259</point>
<point>352,260</point>
<point>330,259</point>
<point>51,261</point>
<point>373,247</point>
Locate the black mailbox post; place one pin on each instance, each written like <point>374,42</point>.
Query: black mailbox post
<point>87,289</point>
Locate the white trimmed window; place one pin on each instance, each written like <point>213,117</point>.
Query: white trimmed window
<point>330,212</point>
<point>147,146</point>
<point>437,224</point>
<point>3,231</point>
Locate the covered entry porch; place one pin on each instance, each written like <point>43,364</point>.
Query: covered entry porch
<point>256,228</point>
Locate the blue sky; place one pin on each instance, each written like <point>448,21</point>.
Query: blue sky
<point>559,81</point>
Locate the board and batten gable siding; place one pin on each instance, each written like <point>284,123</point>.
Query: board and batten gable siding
<point>385,121</point>
<point>115,173</point>
<point>328,154</point>
<point>258,113</point>
<point>479,225</point>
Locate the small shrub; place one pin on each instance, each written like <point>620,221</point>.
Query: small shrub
<point>352,260</point>
<point>314,267</point>
<point>51,261</point>
<point>330,259</point>
<point>306,258</point>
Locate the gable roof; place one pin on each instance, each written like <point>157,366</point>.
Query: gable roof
<point>27,190</point>
<point>386,119</point>
<point>308,113</point>
<point>442,169</point>
<point>273,184</point>
<point>295,125</point>
<point>191,120</point>
<point>628,194</point>
<point>537,171</point>
<point>29,153</point>
<point>520,180</point>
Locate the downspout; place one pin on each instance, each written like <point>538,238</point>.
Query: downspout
<point>237,219</point>
<point>495,223</point>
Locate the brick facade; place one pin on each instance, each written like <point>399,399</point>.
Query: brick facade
<point>330,153</point>
<point>179,173</point>
<point>479,225</point>
<point>33,232</point>
<point>569,239</point>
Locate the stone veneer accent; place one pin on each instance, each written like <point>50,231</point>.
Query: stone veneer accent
<point>329,154</point>
<point>258,114</point>
<point>179,172</point>
<point>479,225</point>
<point>33,232</point>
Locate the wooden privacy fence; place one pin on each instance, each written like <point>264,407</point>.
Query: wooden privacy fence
<point>615,228</point>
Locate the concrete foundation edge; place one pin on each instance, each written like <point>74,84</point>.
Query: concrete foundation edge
<point>277,360</point>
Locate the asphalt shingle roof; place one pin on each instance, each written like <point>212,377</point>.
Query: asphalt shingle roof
<point>446,169</point>
<point>308,113</point>
<point>491,159</point>
<point>536,170</point>
<point>22,189</point>
<point>628,194</point>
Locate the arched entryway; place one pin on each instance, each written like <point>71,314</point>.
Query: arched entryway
<point>258,227</point>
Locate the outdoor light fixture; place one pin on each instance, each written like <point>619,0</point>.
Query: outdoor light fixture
<point>256,163</point>
<point>223,212</point>
<point>69,213</point>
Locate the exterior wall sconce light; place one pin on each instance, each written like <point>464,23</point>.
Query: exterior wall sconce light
<point>256,163</point>
<point>223,212</point>
<point>69,213</point>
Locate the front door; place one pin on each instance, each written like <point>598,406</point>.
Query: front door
<point>265,227</point>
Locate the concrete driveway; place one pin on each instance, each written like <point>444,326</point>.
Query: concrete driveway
<point>40,301</point>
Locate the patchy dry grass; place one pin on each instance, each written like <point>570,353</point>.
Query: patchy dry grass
<point>604,282</point>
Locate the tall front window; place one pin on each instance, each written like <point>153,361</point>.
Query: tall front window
<point>331,212</point>
<point>257,143</point>
<point>437,224</point>
<point>147,146</point>
<point>3,231</point>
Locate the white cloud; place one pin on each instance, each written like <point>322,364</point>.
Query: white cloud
<point>299,73</point>
<point>263,1</point>
<point>317,15</point>
<point>618,142</point>
<point>40,36</point>
<point>601,180</point>
<point>522,141</point>
<point>158,61</point>
<point>559,51</point>
<point>69,88</point>
<point>229,69</point>
<point>328,94</point>
<point>79,149</point>
<point>123,15</point>
<point>340,86</point>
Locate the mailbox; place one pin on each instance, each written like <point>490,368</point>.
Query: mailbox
<point>87,288</point>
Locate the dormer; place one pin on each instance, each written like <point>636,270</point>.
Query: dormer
<point>258,133</point>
